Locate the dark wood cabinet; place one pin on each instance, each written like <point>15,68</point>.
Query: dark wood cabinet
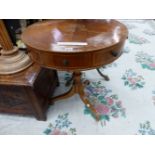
<point>28,92</point>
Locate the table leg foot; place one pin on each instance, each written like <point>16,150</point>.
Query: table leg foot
<point>91,107</point>
<point>87,103</point>
<point>106,78</point>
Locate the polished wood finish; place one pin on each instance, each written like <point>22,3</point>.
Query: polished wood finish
<point>5,40</point>
<point>28,92</point>
<point>103,39</point>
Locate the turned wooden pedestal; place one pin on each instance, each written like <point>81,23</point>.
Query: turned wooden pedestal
<point>78,88</point>
<point>28,92</point>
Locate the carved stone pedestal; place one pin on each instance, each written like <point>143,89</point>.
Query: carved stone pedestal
<point>28,92</point>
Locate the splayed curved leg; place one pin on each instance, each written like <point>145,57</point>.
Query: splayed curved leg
<point>104,76</point>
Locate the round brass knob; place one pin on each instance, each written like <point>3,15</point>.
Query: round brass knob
<point>114,53</point>
<point>65,62</point>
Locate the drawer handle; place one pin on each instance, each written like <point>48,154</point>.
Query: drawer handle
<point>65,62</point>
<point>114,53</point>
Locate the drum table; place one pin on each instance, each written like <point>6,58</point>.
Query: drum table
<point>75,45</point>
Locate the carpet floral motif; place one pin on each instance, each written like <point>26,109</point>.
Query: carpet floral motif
<point>126,49</point>
<point>153,97</point>
<point>61,126</point>
<point>149,32</point>
<point>105,102</point>
<point>147,61</point>
<point>135,39</point>
<point>146,129</point>
<point>132,80</point>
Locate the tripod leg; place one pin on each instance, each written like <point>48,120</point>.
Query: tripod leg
<point>104,76</point>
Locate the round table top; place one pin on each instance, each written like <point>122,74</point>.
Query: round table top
<point>74,35</point>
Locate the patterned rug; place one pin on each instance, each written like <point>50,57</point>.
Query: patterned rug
<point>126,103</point>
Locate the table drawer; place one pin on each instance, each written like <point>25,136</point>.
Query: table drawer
<point>67,61</point>
<point>107,56</point>
<point>101,58</point>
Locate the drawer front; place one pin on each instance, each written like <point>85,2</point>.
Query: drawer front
<point>102,58</point>
<point>67,61</point>
<point>107,56</point>
<point>77,61</point>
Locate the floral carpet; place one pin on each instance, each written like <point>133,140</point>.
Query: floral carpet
<point>126,103</point>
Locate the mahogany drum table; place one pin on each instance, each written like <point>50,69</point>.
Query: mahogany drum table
<point>75,45</point>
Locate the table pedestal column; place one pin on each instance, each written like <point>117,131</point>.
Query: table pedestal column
<point>78,88</point>
<point>11,59</point>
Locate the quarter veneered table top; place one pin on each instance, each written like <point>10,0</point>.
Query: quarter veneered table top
<point>95,34</point>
